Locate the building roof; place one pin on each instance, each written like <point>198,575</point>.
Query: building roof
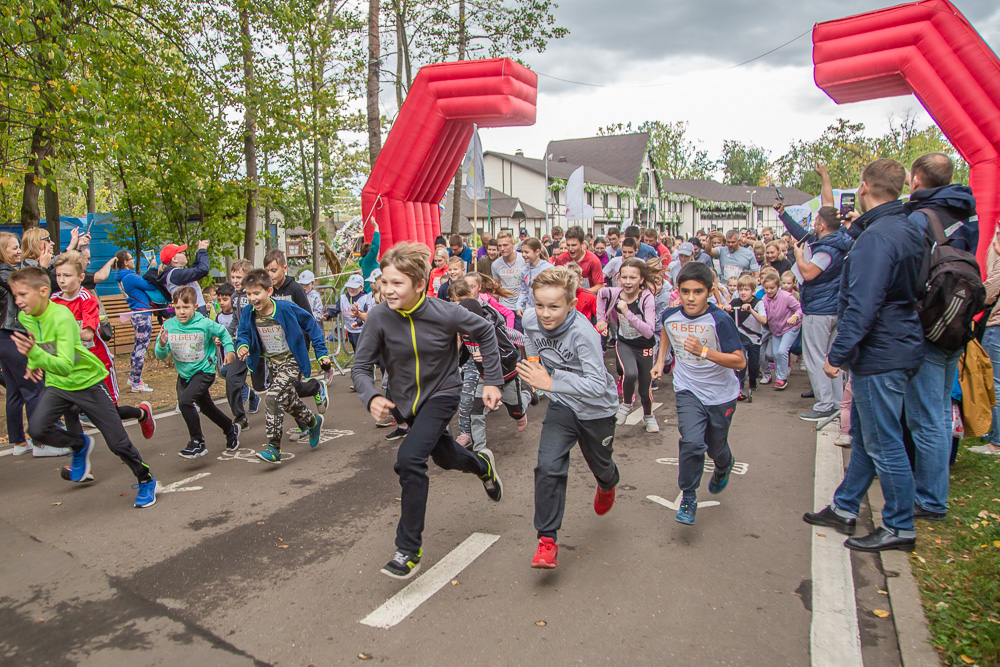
<point>709,190</point>
<point>620,156</point>
<point>497,205</point>
<point>562,170</point>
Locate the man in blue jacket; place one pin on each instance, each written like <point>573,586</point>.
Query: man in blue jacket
<point>880,340</point>
<point>928,400</point>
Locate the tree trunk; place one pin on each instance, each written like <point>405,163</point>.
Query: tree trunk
<point>30,213</point>
<point>400,29</point>
<point>91,193</point>
<point>131,215</point>
<point>250,137</point>
<point>456,204</point>
<point>51,197</point>
<point>374,117</point>
<point>315,219</point>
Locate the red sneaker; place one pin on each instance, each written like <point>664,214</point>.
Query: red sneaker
<point>545,557</point>
<point>149,426</point>
<point>603,501</point>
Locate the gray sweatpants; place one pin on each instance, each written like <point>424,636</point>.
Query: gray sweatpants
<point>703,428</point>
<point>818,332</point>
<point>560,431</point>
<point>515,397</point>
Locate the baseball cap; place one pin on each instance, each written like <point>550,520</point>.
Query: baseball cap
<point>524,231</point>
<point>686,249</point>
<point>355,282</point>
<point>375,275</point>
<point>170,251</point>
<point>306,277</point>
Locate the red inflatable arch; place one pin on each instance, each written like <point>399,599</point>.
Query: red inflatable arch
<point>430,136</point>
<point>928,49</point>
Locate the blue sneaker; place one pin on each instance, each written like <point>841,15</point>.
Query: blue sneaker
<point>147,493</point>
<point>271,454</point>
<point>254,403</point>
<point>719,481</point>
<point>685,514</point>
<point>315,432</point>
<point>79,470</point>
<point>322,400</point>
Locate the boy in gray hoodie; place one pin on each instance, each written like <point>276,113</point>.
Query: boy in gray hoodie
<point>565,361</point>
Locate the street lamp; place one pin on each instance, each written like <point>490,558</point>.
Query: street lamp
<point>548,226</point>
<point>750,213</point>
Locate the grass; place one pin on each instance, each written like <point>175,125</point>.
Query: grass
<point>957,564</point>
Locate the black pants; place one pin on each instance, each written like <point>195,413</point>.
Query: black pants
<point>703,428</point>
<point>195,391</point>
<point>634,366</point>
<point>753,363</point>
<point>561,430</point>
<point>96,403</point>
<point>236,377</point>
<point>428,436</point>
<point>21,392</point>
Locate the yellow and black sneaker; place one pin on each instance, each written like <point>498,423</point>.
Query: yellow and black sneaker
<point>491,481</point>
<point>403,564</point>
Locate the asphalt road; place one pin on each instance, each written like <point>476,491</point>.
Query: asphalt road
<point>260,564</point>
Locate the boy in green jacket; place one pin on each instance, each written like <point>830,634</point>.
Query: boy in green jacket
<point>189,337</point>
<point>74,383</point>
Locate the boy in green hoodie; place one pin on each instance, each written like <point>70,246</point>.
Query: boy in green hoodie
<point>74,382</point>
<point>189,338</point>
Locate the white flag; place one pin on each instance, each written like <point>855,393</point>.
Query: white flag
<point>472,167</point>
<point>577,207</point>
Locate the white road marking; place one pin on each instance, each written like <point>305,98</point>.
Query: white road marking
<point>403,603</point>
<point>676,505</point>
<point>249,455</point>
<point>738,469</point>
<point>178,487</point>
<point>834,637</point>
<point>635,416</point>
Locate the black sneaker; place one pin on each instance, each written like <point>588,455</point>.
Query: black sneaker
<point>403,564</point>
<point>721,478</point>
<point>233,437</point>
<point>193,450</point>
<point>396,434</point>
<point>491,481</point>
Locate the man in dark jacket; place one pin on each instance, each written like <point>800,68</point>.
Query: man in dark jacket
<point>880,340</point>
<point>819,262</point>
<point>928,400</point>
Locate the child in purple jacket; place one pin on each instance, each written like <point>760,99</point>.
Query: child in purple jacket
<point>784,319</point>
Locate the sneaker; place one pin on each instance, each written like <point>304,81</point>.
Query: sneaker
<point>21,450</point>
<point>193,450</point>
<point>39,451</point>
<point>741,397</point>
<point>781,384</point>
<point>491,481</point>
<point>253,405</point>
<point>464,439</point>
<point>148,427</point>
<point>322,400</point>
<point>718,482</point>
<point>766,379</point>
<point>685,514</point>
<point>396,434</point>
<point>271,454</point>
<point>623,411</point>
<point>604,500</point>
<point>651,425</point>
<point>843,440</point>
<point>141,388</point>
<point>546,554</point>
<point>535,397</point>
<point>816,416</point>
<point>244,424</point>
<point>316,431</point>
<point>403,564</point>
<point>389,421</point>
<point>521,423</point>
<point>233,437</point>
<point>352,388</point>
<point>79,470</point>
<point>298,434</point>
<point>654,386</point>
<point>147,493</point>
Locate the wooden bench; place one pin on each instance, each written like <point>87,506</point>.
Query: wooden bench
<point>124,340</point>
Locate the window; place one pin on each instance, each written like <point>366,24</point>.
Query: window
<point>590,198</point>
<point>619,197</point>
<point>605,201</point>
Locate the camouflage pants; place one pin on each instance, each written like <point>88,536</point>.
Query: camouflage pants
<point>282,398</point>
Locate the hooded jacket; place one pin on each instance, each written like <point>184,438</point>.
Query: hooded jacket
<point>878,328</point>
<point>292,319</point>
<point>955,206</point>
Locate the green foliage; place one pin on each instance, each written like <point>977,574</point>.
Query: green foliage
<point>674,155</point>
<point>743,163</point>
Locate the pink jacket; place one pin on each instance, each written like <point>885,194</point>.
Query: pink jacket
<point>607,311</point>
<point>779,309</point>
<point>506,312</point>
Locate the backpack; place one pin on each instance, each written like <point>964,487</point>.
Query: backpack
<point>953,291</point>
<point>160,306</point>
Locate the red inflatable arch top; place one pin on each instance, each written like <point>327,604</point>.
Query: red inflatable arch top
<point>928,49</point>
<point>427,142</point>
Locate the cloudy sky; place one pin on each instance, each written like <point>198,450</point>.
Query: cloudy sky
<point>671,61</point>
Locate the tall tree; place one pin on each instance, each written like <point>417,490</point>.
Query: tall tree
<point>744,163</point>
<point>374,61</point>
<point>674,154</point>
<point>250,133</point>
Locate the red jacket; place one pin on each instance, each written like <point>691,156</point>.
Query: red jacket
<point>586,303</point>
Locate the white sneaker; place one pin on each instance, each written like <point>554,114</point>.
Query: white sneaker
<point>20,450</point>
<point>141,388</point>
<point>843,440</point>
<point>651,425</point>
<point>38,451</point>
<point>623,411</point>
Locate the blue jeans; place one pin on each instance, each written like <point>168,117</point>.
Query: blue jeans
<point>877,445</point>
<point>991,343</point>
<point>928,416</point>
<point>778,348</point>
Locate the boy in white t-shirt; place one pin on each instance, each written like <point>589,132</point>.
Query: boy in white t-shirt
<point>706,343</point>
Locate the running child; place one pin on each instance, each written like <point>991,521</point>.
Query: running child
<point>566,362</point>
<point>74,383</point>
<point>188,337</point>
<point>70,268</point>
<point>415,335</point>
<point>534,263</point>
<point>456,269</point>
<point>784,319</point>
<point>273,330</point>
<point>354,301</point>
<point>240,399</point>
<point>629,311</point>
<point>751,318</point>
<point>707,349</point>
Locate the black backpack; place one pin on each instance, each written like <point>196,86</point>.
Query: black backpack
<point>953,291</point>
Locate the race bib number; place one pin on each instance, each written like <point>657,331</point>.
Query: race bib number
<point>187,348</point>
<point>731,271</point>
<point>48,347</point>
<point>273,339</point>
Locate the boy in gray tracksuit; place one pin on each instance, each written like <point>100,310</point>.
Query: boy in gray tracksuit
<point>565,361</point>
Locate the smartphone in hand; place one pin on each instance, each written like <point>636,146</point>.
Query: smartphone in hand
<point>846,203</point>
